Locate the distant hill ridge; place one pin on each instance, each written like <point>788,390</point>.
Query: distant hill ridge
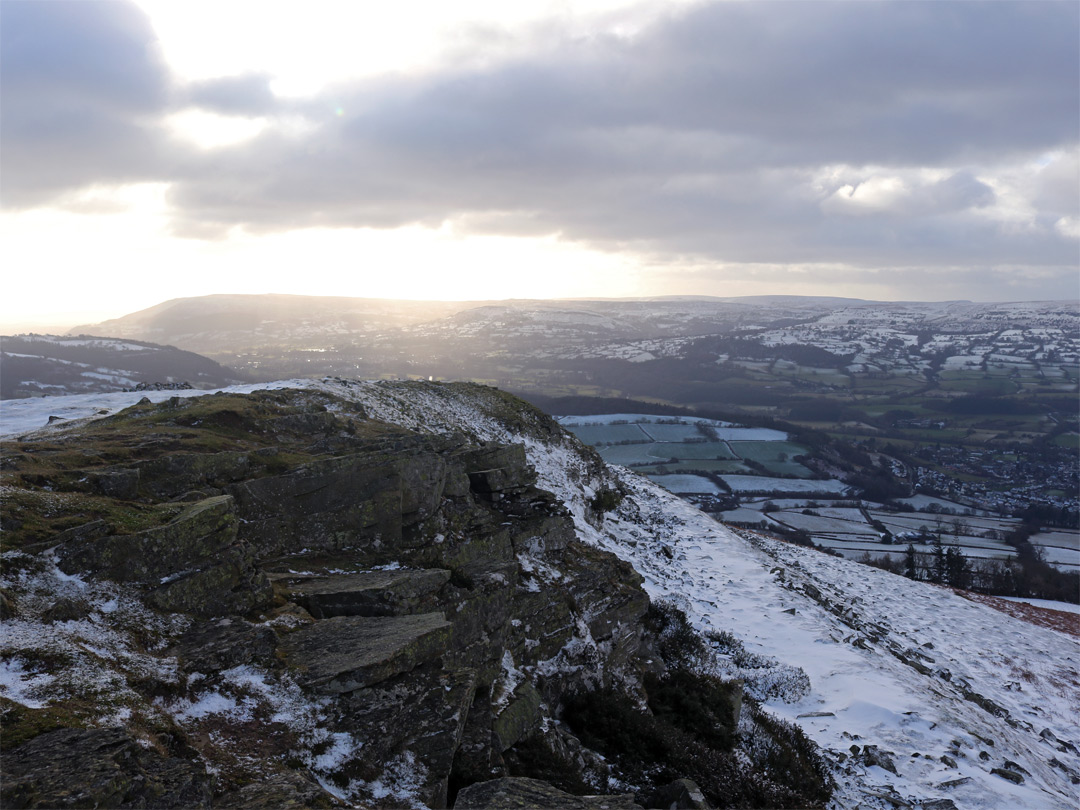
<point>224,326</point>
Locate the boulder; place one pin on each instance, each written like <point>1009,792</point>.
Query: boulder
<point>872,755</point>
<point>115,483</point>
<point>232,585</point>
<point>170,476</point>
<point>368,593</point>
<point>328,504</point>
<point>289,790</point>
<point>1005,773</point>
<point>350,652</point>
<point>498,469</point>
<point>422,712</point>
<point>520,718</point>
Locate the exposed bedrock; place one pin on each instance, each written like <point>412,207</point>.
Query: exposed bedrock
<point>421,589</point>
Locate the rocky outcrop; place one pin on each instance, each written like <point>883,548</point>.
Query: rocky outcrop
<point>428,601</point>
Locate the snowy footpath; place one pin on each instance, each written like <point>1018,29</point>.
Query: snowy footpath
<point>948,690</point>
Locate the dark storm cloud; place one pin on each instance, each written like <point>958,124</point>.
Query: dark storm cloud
<point>708,134</point>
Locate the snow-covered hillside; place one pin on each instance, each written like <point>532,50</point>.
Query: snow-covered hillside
<point>51,365</point>
<point>920,696</point>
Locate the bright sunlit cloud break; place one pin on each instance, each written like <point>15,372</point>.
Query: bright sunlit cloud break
<point>153,149</point>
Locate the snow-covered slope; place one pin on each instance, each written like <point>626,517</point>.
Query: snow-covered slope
<point>52,365</point>
<point>917,694</point>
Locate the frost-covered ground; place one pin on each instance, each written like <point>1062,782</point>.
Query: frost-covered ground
<point>948,688</point>
<point>862,690</point>
<point>759,483</point>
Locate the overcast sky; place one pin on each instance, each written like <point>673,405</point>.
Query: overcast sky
<point>911,150</point>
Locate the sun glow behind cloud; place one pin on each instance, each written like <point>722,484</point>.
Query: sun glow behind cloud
<point>124,232</point>
<point>209,130</point>
<point>307,46</point>
<point>484,149</point>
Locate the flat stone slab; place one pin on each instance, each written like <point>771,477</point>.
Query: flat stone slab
<point>369,593</point>
<point>345,653</point>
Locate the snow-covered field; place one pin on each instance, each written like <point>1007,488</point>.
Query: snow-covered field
<point>759,483</point>
<point>686,484</point>
<point>950,689</point>
<point>861,688</point>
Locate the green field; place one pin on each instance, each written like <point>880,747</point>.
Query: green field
<point>1071,440</point>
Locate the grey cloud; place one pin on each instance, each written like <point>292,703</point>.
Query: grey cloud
<point>83,86</point>
<point>247,95</point>
<point>1056,186</point>
<point>703,136</point>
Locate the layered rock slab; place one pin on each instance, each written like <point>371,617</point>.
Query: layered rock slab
<point>367,593</point>
<point>345,653</point>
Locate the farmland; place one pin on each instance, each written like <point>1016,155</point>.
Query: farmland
<point>736,472</point>
<point>699,456</point>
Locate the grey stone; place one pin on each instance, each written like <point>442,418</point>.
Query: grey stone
<point>951,783</point>
<point>195,537</point>
<point>1016,766</point>
<point>66,609</point>
<point>210,647</point>
<point>327,504</point>
<point>123,484</point>
<point>423,712</point>
<point>173,475</point>
<point>289,790</point>
<point>350,652</point>
<point>520,718</point>
<point>232,585</point>
<point>369,593</point>
<point>872,755</point>
<point>1005,773</point>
